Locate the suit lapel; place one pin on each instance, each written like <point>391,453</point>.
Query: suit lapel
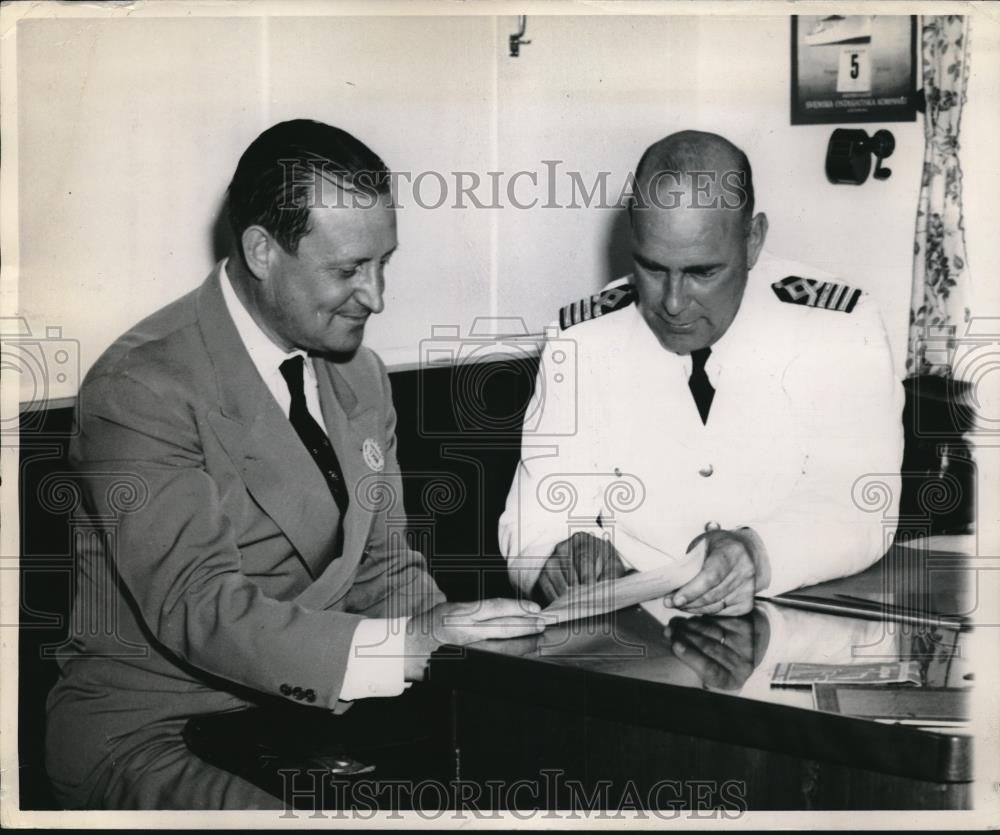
<point>274,464</point>
<point>349,422</point>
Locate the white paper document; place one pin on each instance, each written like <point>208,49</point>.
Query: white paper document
<point>645,586</point>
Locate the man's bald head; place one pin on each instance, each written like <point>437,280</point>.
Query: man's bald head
<point>694,166</point>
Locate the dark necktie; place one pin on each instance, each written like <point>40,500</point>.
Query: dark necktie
<point>312,434</point>
<point>700,387</point>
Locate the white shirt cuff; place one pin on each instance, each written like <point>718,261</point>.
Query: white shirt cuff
<point>376,661</point>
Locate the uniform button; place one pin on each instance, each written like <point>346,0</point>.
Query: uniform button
<point>297,692</point>
<point>712,526</point>
<point>285,690</point>
<point>706,471</point>
<point>310,695</point>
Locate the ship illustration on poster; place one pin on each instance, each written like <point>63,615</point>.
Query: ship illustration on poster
<point>853,68</point>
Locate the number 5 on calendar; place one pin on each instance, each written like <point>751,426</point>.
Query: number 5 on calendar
<point>854,73</point>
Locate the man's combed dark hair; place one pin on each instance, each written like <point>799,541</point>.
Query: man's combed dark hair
<point>277,175</point>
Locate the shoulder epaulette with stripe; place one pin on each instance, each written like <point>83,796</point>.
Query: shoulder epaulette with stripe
<point>607,301</point>
<point>812,292</point>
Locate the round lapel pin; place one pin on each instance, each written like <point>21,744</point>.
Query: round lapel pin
<point>372,453</point>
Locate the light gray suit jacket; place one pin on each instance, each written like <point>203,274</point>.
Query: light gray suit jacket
<point>205,570</point>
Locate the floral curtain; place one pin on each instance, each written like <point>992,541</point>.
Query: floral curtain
<point>939,304</point>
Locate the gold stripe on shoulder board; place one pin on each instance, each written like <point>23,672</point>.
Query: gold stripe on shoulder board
<point>607,301</point>
<point>811,292</point>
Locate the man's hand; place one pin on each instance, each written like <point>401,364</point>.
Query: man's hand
<point>723,652</point>
<point>580,560</point>
<point>466,623</point>
<point>725,585</point>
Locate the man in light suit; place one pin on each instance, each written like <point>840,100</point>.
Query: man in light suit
<point>724,398</point>
<point>237,461</point>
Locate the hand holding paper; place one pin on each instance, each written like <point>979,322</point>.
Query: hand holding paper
<point>665,575</point>
<point>727,581</point>
<point>580,560</point>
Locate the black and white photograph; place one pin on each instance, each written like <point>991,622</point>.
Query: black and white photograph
<point>485,414</point>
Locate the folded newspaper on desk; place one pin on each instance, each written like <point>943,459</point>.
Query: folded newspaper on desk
<point>656,574</point>
<point>805,674</point>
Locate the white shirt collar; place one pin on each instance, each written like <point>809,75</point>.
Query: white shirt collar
<point>265,354</point>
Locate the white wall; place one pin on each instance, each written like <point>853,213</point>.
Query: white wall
<point>129,131</point>
<point>127,134</point>
<point>418,91</point>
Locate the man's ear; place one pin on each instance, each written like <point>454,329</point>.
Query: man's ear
<point>755,240</point>
<point>258,247</point>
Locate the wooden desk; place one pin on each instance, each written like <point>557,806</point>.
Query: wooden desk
<point>605,709</point>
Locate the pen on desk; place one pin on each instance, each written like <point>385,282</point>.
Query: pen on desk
<point>862,607</point>
<point>902,610</point>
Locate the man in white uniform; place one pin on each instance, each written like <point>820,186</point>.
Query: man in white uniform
<point>723,397</point>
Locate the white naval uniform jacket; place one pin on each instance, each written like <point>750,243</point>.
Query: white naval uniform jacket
<point>803,443</point>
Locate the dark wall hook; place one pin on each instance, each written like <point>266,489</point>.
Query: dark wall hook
<point>517,38</point>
